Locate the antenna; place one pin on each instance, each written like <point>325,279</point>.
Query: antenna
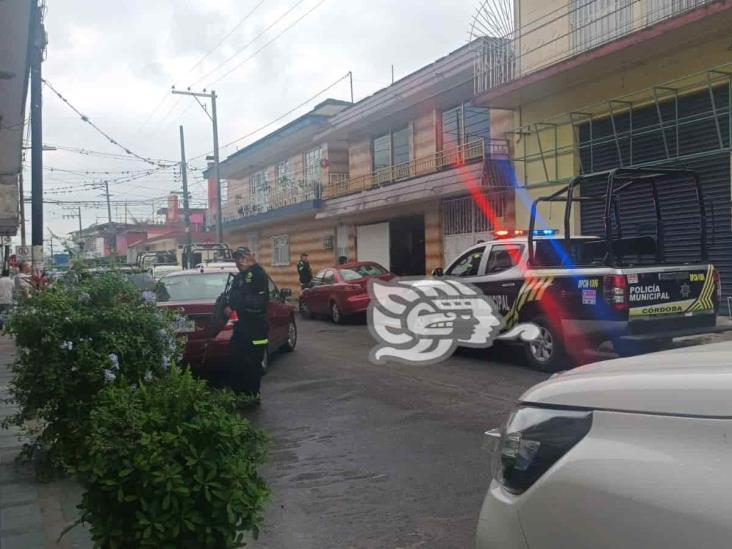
<point>493,19</point>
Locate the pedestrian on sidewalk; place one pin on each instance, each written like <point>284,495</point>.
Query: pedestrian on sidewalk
<point>7,289</point>
<point>249,297</point>
<point>304,271</point>
<point>23,281</point>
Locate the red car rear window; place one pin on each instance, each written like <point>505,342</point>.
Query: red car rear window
<point>192,287</point>
<point>362,271</point>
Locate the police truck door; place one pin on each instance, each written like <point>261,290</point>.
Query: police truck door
<point>502,275</point>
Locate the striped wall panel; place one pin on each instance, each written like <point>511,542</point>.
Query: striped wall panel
<point>425,135</point>
<point>360,158</point>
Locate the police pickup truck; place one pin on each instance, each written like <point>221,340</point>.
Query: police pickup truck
<point>584,290</point>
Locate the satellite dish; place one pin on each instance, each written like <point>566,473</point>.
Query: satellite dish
<point>493,19</point>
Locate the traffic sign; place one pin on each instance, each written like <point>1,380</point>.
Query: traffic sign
<point>23,252</point>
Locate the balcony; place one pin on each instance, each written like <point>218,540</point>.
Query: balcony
<point>580,26</point>
<point>287,196</point>
<point>457,156</point>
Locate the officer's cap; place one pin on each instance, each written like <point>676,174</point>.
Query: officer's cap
<point>241,252</point>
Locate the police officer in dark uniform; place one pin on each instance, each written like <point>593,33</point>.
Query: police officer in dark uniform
<point>248,296</point>
<point>304,272</point>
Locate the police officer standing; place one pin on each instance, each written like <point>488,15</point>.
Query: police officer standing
<point>248,296</point>
<point>304,272</point>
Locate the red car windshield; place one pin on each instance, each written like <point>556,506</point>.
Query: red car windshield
<point>192,287</point>
<point>362,271</point>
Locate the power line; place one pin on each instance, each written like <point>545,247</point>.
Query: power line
<point>285,115</point>
<point>237,52</point>
<point>114,156</point>
<point>204,57</point>
<point>97,128</point>
<point>239,24</point>
<point>303,16</point>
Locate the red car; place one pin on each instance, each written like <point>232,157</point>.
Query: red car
<point>194,292</point>
<point>341,291</point>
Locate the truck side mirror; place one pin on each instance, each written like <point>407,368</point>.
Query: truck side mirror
<point>437,272</point>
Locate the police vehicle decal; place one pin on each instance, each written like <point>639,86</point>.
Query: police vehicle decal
<point>533,289</point>
<point>704,301</point>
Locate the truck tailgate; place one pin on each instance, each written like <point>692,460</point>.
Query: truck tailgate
<point>671,290</point>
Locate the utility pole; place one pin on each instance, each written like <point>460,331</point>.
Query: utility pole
<point>81,238</point>
<point>50,240</point>
<point>36,59</point>
<point>214,120</point>
<point>21,207</point>
<point>109,207</point>
<point>350,78</point>
<point>186,210</point>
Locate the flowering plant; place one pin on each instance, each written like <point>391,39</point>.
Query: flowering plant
<point>73,339</point>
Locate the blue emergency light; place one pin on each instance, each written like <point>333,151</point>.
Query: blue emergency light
<point>544,232</point>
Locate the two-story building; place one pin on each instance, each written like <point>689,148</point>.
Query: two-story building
<point>275,187</point>
<point>598,84</point>
<point>426,175</point>
<point>406,177</point>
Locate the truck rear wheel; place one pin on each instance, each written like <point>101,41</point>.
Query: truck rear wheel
<point>547,353</point>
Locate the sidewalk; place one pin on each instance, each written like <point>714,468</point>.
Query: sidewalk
<point>32,514</point>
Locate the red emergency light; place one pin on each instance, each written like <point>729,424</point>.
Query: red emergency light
<point>508,233</point>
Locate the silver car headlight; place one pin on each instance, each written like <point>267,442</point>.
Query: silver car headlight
<point>533,440</point>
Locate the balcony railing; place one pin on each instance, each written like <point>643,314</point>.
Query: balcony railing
<point>563,32</point>
<point>469,152</point>
<point>276,195</point>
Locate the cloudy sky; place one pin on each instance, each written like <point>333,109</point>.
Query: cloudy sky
<point>116,62</point>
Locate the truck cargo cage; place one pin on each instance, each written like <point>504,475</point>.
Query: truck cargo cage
<point>619,179</point>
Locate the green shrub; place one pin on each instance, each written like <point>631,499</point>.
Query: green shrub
<point>170,464</point>
<point>74,339</point>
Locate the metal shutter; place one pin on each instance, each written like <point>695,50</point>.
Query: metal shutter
<point>692,133</point>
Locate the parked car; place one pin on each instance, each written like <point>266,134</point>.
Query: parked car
<point>195,292</point>
<point>342,291</point>
<point>160,270</point>
<point>630,453</point>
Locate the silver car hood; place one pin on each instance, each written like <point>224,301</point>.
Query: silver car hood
<point>692,381</point>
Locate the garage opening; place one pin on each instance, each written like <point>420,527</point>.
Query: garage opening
<point>407,252</point>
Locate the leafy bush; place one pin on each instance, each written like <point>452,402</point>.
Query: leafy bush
<point>72,340</point>
<point>170,464</point>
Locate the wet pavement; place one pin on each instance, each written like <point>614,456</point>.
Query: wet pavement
<point>380,456</point>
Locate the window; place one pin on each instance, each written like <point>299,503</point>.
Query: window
<point>382,152</point>
<point>318,278</point>
<point>452,128</point>
<point>281,250</point>
<point>392,148</point>
<point>312,166</point>
<point>503,257</point>
<point>192,287</point>
<point>362,271</point>
<point>402,146</point>
<point>477,123</point>
<point>329,277</point>
<point>468,264</point>
<point>258,188</point>
<point>274,293</point>
<point>284,173</point>
<point>464,124</point>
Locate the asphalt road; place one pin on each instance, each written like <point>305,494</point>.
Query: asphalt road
<point>379,456</point>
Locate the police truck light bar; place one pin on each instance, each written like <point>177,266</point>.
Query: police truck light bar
<point>508,233</point>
